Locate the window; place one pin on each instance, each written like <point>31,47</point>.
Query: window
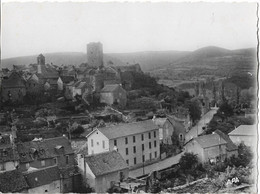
<point>103,143</point>
<point>155,154</point>
<point>67,159</point>
<point>154,133</point>
<point>97,142</point>
<point>150,145</point>
<point>133,139</point>
<point>126,151</point>
<point>150,156</point>
<point>143,158</point>
<point>127,161</point>
<point>142,147</point>
<point>92,142</point>
<point>149,135</point>
<point>181,137</point>
<point>155,144</point>
<point>115,142</point>
<point>2,167</point>
<point>43,163</point>
<point>55,160</point>
<point>134,149</point>
<point>142,137</point>
<point>126,140</point>
<point>134,160</point>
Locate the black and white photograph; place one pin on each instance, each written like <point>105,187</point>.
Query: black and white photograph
<point>129,97</point>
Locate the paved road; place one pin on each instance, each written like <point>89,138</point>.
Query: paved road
<point>197,129</point>
<point>156,166</point>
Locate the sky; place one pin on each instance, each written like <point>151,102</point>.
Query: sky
<point>32,28</point>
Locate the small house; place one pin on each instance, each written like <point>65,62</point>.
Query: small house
<point>103,170</point>
<point>208,148</point>
<point>113,94</point>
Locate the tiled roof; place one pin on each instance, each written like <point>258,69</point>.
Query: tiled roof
<point>230,145</point>
<point>42,176</point>
<point>44,148</point>
<point>210,140</point>
<point>105,163</point>
<point>110,88</point>
<point>126,129</point>
<point>12,182</point>
<point>14,80</point>
<point>245,130</point>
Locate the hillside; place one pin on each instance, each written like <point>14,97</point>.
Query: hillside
<point>209,61</point>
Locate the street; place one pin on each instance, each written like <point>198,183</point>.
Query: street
<point>197,129</point>
<point>156,166</point>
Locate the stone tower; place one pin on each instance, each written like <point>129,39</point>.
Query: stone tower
<point>40,63</point>
<point>95,54</point>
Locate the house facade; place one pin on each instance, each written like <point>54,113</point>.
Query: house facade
<point>136,142</point>
<point>103,170</point>
<point>113,94</point>
<point>168,126</point>
<point>208,148</point>
<point>13,88</point>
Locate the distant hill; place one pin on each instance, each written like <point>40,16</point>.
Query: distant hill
<point>164,64</point>
<point>209,61</point>
<point>148,60</point>
<point>65,58</point>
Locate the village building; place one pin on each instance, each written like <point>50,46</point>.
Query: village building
<point>13,182</point>
<point>9,158</point>
<point>208,148</point>
<point>232,149</point>
<point>182,115</point>
<point>136,142</point>
<point>44,153</point>
<point>45,180</point>
<point>45,77</point>
<point>113,94</point>
<point>246,134</point>
<point>168,127</point>
<point>13,88</point>
<point>103,170</point>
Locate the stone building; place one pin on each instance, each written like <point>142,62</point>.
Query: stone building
<point>95,54</point>
<point>103,170</point>
<point>136,142</point>
<point>13,88</point>
<point>113,94</point>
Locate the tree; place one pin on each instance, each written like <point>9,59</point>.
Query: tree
<point>226,109</point>
<point>188,161</point>
<point>194,109</point>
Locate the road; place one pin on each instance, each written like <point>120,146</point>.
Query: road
<point>197,129</point>
<point>156,166</point>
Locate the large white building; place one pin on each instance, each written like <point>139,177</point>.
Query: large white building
<point>136,142</point>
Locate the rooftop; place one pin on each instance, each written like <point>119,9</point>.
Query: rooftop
<point>127,129</point>
<point>12,182</point>
<point>230,145</point>
<point>105,163</point>
<point>42,176</point>
<point>43,148</point>
<point>110,88</point>
<point>210,140</point>
<point>245,130</point>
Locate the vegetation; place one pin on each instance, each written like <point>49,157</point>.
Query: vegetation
<point>194,109</point>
